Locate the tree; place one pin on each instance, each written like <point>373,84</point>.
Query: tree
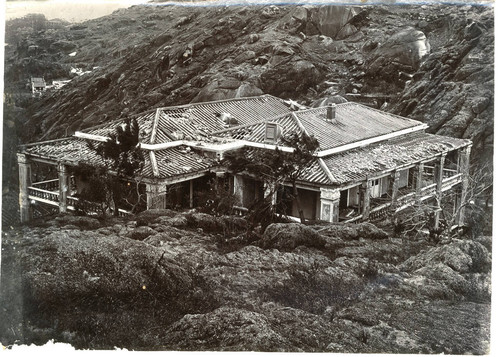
<point>274,168</point>
<point>122,160</point>
<point>474,205</point>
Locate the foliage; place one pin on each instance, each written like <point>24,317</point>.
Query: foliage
<point>275,168</point>
<point>123,160</point>
<point>122,149</point>
<point>474,205</point>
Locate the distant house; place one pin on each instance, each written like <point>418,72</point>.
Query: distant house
<point>38,85</point>
<point>368,161</point>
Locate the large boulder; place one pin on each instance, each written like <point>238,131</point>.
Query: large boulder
<point>287,236</point>
<point>408,47</point>
<point>464,256</point>
<point>351,231</point>
<point>69,266</point>
<point>225,329</point>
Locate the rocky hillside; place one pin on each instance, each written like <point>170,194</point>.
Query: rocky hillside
<point>432,63</point>
<point>190,281</point>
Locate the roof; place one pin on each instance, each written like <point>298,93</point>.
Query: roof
<point>357,164</point>
<point>353,122</point>
<point>256,132</point>
<point>198,121</point>
<point>197,124</point>
<point>179,160</point>
<point>38,82</point>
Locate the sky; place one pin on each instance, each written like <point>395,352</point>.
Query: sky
<point>81,10</point>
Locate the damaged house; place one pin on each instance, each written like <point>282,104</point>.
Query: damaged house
<point>368,163</point>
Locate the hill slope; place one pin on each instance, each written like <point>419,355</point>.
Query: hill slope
<point>146,57</point>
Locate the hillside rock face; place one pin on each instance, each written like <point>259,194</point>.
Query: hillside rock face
<point>453,89</point>
<point>175,55</point>
<point>187,289</point>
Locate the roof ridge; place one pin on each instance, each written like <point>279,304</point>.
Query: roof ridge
<point>190,105</point>
<point>326,170</point>
<point>155,126</point>
<point>299,124</point>
<point>250,124</point>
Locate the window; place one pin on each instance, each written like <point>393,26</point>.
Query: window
<point>272,132</point>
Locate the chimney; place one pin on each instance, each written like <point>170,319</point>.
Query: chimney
<point>330,112</point>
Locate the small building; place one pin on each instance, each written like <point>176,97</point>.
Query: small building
<point>368,163</point>
<point>38,85</point>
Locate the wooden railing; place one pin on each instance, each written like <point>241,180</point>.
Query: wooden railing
<point>449,173</point>
<point>52,198</point>
<point>451,181</point>
<point>45,196</point>
<point>380,211</point>
<point>354,219</point>
<point>49,185</point>
<point>239,211</point>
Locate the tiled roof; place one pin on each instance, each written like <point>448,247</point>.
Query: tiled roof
<point>353,122</point>
<point>66,150</point>
<point>256,132</point>
<point>145,122</point>
<point>314,173</point>
<point>38,82</point>
<point>355,165</point>
<point>196,121</point>
<point>179,160</point>
<point>171,162</point>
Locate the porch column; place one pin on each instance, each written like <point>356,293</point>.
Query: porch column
<point>190,193</point>
<point>62,172</point>
<point>394,186</point>
<point>418,184</point>
<point>24,183</point>
<point>156,196</point>
<point>463,168</point>
<point>364,196</point>
<point>330,199</point>
<point>267,192</point>
<point>238,189</point>
<point>438,179</point>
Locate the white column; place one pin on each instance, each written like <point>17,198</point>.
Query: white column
<point>63,187</point>
<point>190,193</point>
<point>365,199</point>
<point>329,204</point>
<point>24,183</point>
<point>463,168</point>
<point>156,196</point>
<point>238,189</point>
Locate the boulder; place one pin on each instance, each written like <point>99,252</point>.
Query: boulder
<point>464,256</point>
<point>226,328</point>
<point>79,265</point>
<point>323,102</point>
<point>287,236</point>
<point>140,233</point>
<point>407,47</point>
<point>81,222</point>
<point>244,56</point>
<point>351,231</point>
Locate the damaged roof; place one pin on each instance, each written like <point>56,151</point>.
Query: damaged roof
<point>353,123</point>
<point>355,165</point>
<point>161,164</point>
<point>197,121</point>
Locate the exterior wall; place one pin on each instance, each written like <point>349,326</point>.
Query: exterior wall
<point>308,201</point>
<point>247,191</point>
<point>353,196</point>
<point>403,178</point>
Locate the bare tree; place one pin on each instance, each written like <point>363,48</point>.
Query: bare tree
<point>439,215</point>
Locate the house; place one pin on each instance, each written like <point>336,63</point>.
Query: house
<point>368,162</point>
<point>38,85</point>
